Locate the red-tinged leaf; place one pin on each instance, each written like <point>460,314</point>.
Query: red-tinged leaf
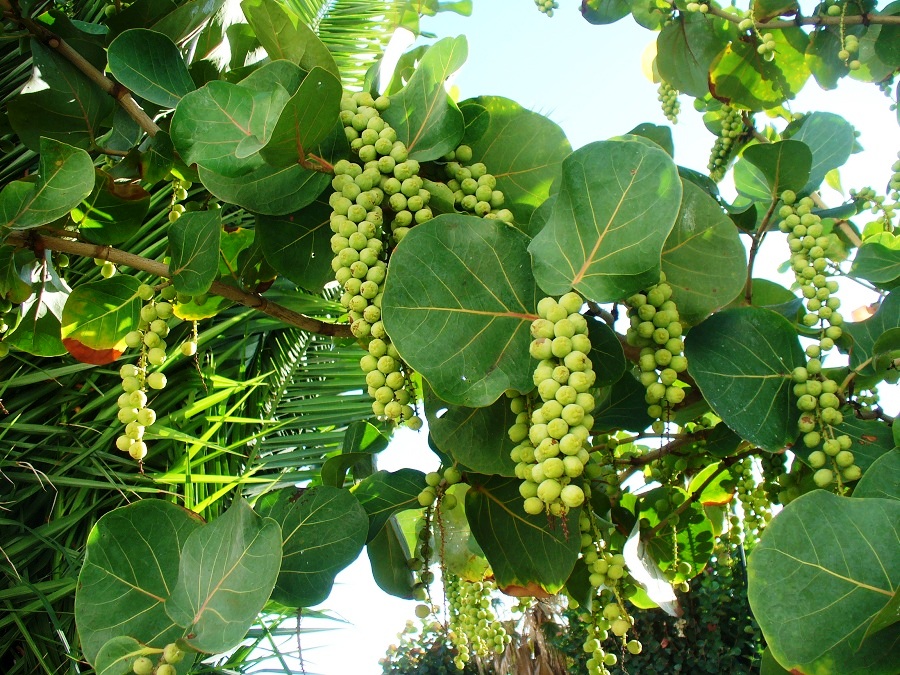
<point>97,316</point>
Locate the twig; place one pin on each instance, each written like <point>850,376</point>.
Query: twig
<point>821,20</point>
<point>758,237</point>
<point>662,451</point>
<point>32,240</point>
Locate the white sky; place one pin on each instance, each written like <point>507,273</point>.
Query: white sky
<point>589,80</point>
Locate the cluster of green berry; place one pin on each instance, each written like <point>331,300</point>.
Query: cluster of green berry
<point>817,394</point>
<point>546,6</point>
<point>601,468</point>
<point>667,95</point>
<point>436,484</point>
<point>384,182</point>
<point>609,616</point>
<point>656,328</point>
<point>107,269</point>
<point>171,655</point>
<point>867,199</point>
<point>727,142</point>
<point>551,443</point>
<point>420,563</point>
<point>473,626</point>
<point>474,189</point>
<point>701,7</point>
<point>766,46</point>
<point>753,498</point>
<point>849,47</point>
<point>179,194</point>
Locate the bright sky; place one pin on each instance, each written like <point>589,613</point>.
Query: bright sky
<point>589,80</point>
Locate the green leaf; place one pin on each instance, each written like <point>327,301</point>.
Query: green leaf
<point>523,150</point>
<point>150,65</point>
<point>524,551</point>
<point>617,203</point>
<point>686,48</point>
<point>461,287</point>
<point>764,10</point>
<point>600,12</point>
<point>866,333</point>
<point>38,330</point>
<point>284,36</point>
<point>886,349</point>
<point>118,655</point>
<point>621,406</point>
<point>194,247</point>
<point>720,491</point>
<point>819,575</point>
<point>66,176</point>
<point>741,359</point>
<point>477,118</point>
<point>769,666</point>
<point>362,441</point>
<point>267,190</point>
<point>70,110</point>
<point>184,20</point>
<point>222,126</point>
<point>742,77</point>
<point>475,437</point>
<point>703,258</point>
<point>384,493</point>
<point>284,73</point>
<point>130,567</point>
<point>306,120</point>
<point>323,530</point>
<point>784,165</point>
<point>878,259</point>
<point>424,116</point>
<point>158,159</point>
<point>388,554</point>
<point>98,315</point>
<point>659,134</point>
<point>882,480</point>
<point>12,286</point>
<point>822,57</point>
<point>887,44</point>
<point>830,138</point>
<point>227,572</point>
<point>691,541</point>
<point>607,355</point>
<point>113,212</point>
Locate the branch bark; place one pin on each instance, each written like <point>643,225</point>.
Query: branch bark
<point>35,241</point>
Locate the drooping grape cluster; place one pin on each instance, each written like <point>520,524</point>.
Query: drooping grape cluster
<point>179,194</point>
<point>436,484</point>
<point>754,500</point>
<point>551,448</point>
<point>766,46</point>
<point>546,6</point>
<point>385,184</point>
<point>817,393</point>
<point>849,47</point>
<point>609,616</point>
<point>727,142</point>
<point>473,626</point>
<point>171,655</point>
<point>667,96</point>
<point>656,328</point>
<point>474,189</point>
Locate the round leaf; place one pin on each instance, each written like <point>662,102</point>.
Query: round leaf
<point>384,493</point>
<point>461,287</point>
<point>150,65</point>
<point>98,315</point>
<point>617,203</point>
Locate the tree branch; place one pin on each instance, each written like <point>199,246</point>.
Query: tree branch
<point>117,91</point>
<point>817,21</point>
<point>34,241</point>
<point>758,237</point>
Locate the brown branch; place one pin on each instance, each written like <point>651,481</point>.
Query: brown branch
<point>817,21</point>
<point>758,237</point>
<point>662,451</point>
<point>117,91</point>
<point>33,241</point>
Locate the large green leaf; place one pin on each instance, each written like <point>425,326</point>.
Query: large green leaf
<point>527,553</point>
<point>323,530</point>
<point>703,258</point>
<point>113,212</point>
<point>268,190</point>
<point>71,109</point>
<point>12,286</point>
<point>118,655</point>
<point>475,437</point>
<point>743,78</point>
<point>461,288</point>
<point>523,150</point>
<point>38,330</point>
<point>384,493</point>
<point>830,138</point>
<point>617,203</point>
<point>222,126</point>
<point>423,114</point>
<point>299,245</point>
<point>66,176</point>
<point>601,12</point>
<point>284,36</point>
<point>607,355</point>
<point>130,568</point>
<point>690,541</point>
<point>822,57</point>
<point>621,406</point>
<point>306,119</point>
<point>150,65</point>
<point>686,49</point>
<point>185,19</point>
<point>741,359</point>
<point>194,248</point>
<point>822,571</point>
<point>388,555</point>
<point>866,333</point>
<point>768,169</point>
<point>882,480</point>
<point>98,315</point>
<point>227,572</point>
<point>878,259</point>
